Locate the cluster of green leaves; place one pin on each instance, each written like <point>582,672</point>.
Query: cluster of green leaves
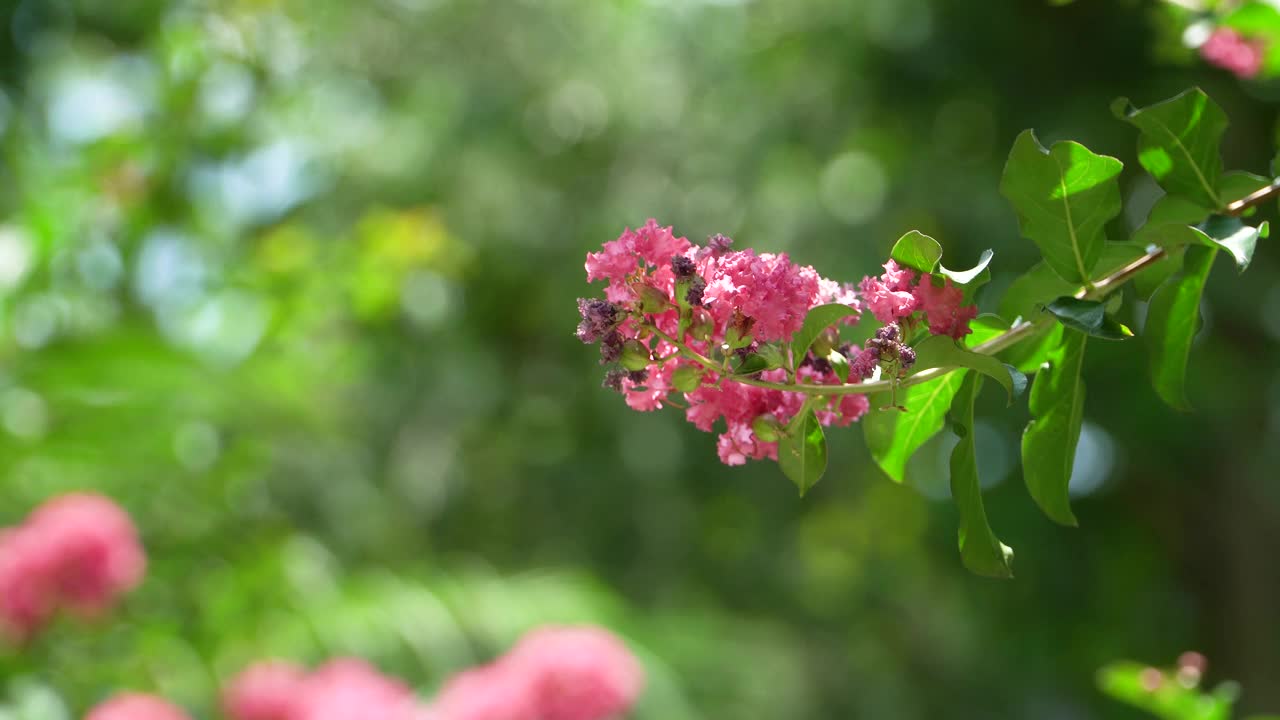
<point>1065,196</point>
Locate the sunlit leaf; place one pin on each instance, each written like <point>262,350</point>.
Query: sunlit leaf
<point>1063,197</point>
<point>917,251</point>
<point>894,435</point>
<point>1179,143</point>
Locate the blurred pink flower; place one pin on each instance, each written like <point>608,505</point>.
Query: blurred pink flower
<point>889,297</point>
<point>490,692</point>
<point>1229,50</point>
<point>578,673</point>
<point>136,706</point>
<point>78,551</point>
<point>352,689</point>
<point>266,690</point>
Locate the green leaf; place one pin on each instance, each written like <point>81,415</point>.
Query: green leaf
<point>802,451</point>
<point>980,550</point>
<point>1218,231</point>
<point>1178,143</point>
<point>1049,441</point>
<point>1176,209</point>
<point>942,351</point>
<point>686,379</point>
<point>1237,185</point>
<point>1063,197</point>
<point>1089,317</point>
<point>1172,321</point>
<point>986,326</point>
<point>894,435</point>
<point>1029,354</point>
<point>819,318</point>
<point>1040,284</point>
<point>1232,235</point>
<point>1128,682</point>
<point>964,277</point>
<point>750,365</point>
<point>917,251</point>
<point>772,355</point>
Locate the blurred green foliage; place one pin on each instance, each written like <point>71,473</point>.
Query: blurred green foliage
<point>293,281</point>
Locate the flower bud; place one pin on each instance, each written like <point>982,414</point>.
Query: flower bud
<point>613,379</point>
<point>610,347</point>
<point>823,344</point>
<point>701,326</point>
<point>651,299</point>
<point>693,295</point>
<point>906,356</point>
<point>766,428</point>
<point>635,356</point>
<point>686,379</point>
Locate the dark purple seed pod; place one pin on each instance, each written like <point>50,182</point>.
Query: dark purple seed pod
<point>719,243</point>
<point>683,267</point>
<point>610,347</point>
<point>638,376</point>
<point>694,294</point>
<point>888,332</point>
<point>906,356</point>
<point>598,317</point>
<point>613,379</point>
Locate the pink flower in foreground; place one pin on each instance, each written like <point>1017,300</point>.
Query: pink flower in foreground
<point>577,673</point>
<point>352,689</point>
<point>1229,50</point>
<point>492,692</point>
<point>767,288</point>
<point>136,706</point>
<point>635,250</point>
<point>78,551</point>
<point>889,297</point>
<point>267,690</point>
<point>943,309</point>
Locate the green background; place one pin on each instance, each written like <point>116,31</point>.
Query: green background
<point>294,282</point>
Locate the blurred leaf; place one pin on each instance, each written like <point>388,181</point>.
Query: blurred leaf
<point>894,435</point>
<point>1049,441</point>
<point>1064,197</point>
<point>917,251</point>
<point>943,351</point>
<point>819,318</point>
<point>839,365</point>
<point>1178,143</point>
<point>802,451</point>
<point>1232,235</point>
<point>980,550</point>
<point>986,326</point>
<point>1237,184</point>
<point>1162,695</point>
<point>1089,317</point>
<point>1172,321</point>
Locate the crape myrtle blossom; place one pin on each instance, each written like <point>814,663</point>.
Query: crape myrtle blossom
<point>341,689</point>
<point>77,552</point>
<point>678,319</point>
<point>1231,51</point>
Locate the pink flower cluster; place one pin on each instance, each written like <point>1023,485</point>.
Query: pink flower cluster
<point>725,305</point>
<point>1231,51</point>
<point>77,552</point>
<point>341,689</point>
<point>896,295</point>
<point>761,296</point>
<point>553,673</point>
